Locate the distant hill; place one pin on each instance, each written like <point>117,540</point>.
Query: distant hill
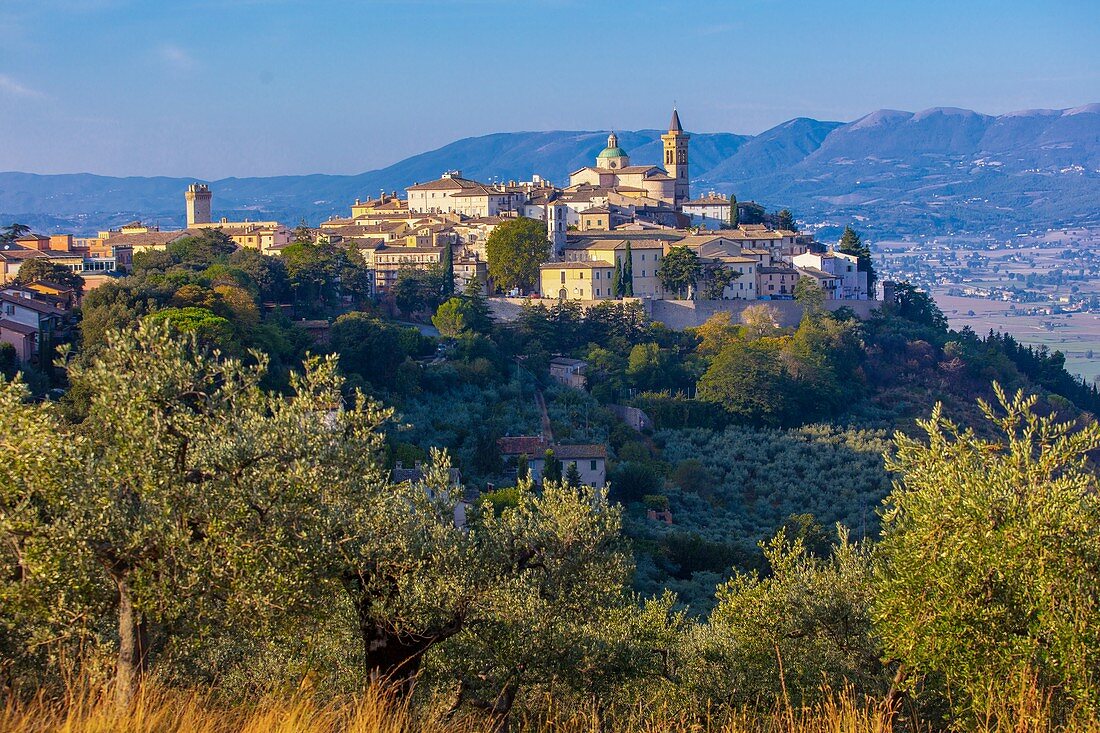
<point>943,170</point>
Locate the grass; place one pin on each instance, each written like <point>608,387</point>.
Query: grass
<point>163,710</point>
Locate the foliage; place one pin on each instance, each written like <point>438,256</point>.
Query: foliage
<point>991,554</point>
<point>758,321</point>
<point>734,219</point>
<point>632,481</point>
<point>9,360</point>
<point>12,232</point>
<point>744,485</point>
<point>452,317</point>
<point>918,306</point>
<point>515,249</point>
<point>786,220</point>
<point>627,281</point>
<point>716,280</point>
<point>322,275</point>
<point>40,268</point>
<point>852,244</point>
<point>209,329</point>
<point>418,289</point>
<point>809,294</point>
<point>169,496</point>
<point>805,625</point>
<point>373,349</point>
<point>679,270</point>
<point>784,380</point>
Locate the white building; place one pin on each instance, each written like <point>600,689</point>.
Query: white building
<point>851,283</point>
<point>454,194</point>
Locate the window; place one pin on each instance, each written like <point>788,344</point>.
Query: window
<point>592,465</point>
<point>563,275</point>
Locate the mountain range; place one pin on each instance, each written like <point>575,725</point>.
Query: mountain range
<point>892,173</point>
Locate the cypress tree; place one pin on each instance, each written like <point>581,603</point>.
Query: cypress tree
<point>448,271</point>
<point>551,467</point>
<point>617,280</point>
<point>628,272</point>
<point>734,216</point>
<point>573,475</point>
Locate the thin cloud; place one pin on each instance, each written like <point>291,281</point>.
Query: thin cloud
<point>176,57</point>
<point>12,88</point>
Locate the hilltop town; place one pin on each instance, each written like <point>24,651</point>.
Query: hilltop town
<point>609,230</point>
<point>473,426</point>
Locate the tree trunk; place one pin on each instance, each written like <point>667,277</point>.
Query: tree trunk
<point>133,646</point>
<point>393,658</point>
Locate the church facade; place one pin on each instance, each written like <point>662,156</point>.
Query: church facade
<point>613,169</point>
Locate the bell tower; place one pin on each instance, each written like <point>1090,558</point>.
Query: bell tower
<point>676,158</point>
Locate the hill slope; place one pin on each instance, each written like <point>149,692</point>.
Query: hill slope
<point>937,171</point>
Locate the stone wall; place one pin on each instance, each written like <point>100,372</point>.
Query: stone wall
<point>681,314</point>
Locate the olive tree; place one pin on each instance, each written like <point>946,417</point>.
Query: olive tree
<point>180,495</point>
<point>992,550</point>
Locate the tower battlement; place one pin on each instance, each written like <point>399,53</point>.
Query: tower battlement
<point>198,198</point>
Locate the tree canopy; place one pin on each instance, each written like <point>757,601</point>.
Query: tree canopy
<point>991,554</point>
<point>679,271</point>
<point>40,268</point>
<point>515,249</point>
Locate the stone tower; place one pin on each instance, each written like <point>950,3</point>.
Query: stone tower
<point>676,158</point>
<point>198,204</point>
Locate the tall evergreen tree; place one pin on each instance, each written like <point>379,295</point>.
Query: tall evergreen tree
<point>551,467</point>
<point>852,244</point>
<point>628,271</point>
<point>617,280</point>
<point>786,220</point>
<point>573,476</point>
<point>448,271</point>
<point>734,217</point>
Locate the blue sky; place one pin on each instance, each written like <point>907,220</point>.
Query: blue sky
<point>209,88</point>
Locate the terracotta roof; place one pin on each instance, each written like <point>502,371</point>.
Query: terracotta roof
<point>416,473</point>
<point>529,445</point>
<point>35,305</point>
<point>818,274</point>
<point>445,184</point>
<point>575,265</point>
<point>20,328</point>
<point>566,361</point>
<point>579,451</point>
<point>14,252</point>
<point>615,244</point>
<point>146,239</point>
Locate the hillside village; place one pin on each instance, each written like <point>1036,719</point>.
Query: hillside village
<point>677,395</point>
<point>609,230</point>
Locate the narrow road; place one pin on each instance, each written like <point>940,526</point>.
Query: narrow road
<point>540,402</point>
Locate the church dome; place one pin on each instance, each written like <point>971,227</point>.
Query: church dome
<point>612,150</point>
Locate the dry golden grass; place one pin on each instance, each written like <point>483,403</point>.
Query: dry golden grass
<point>159,710</point>
<point>171,711</point>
